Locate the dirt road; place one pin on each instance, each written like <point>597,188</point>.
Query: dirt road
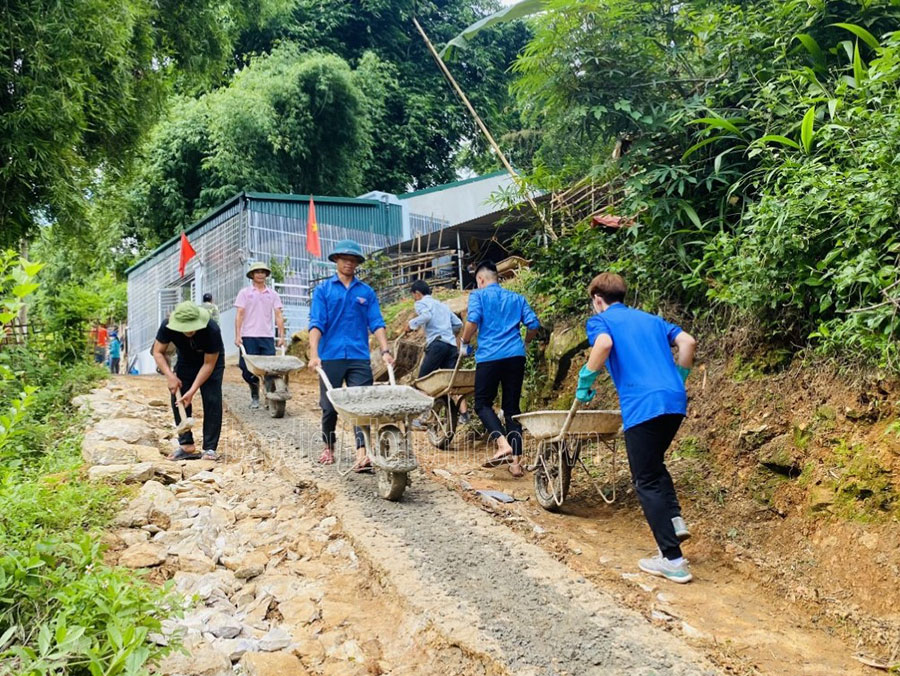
<point>571,576</point>
<point>480,584</point>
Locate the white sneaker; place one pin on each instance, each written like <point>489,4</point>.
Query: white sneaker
<point>662,567</point>
<point>681,529</point>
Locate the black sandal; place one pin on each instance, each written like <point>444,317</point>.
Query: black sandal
<point>182,454</point>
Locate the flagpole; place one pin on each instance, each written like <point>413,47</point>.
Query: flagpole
<point>481,125</point>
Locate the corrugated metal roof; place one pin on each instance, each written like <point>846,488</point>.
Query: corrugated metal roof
<point>454,184</point>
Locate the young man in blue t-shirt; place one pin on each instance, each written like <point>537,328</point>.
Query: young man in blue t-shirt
<point>637,350</point>
<point>497,315</point>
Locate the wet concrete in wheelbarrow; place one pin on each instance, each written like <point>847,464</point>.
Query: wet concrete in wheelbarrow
<point>477,582</point>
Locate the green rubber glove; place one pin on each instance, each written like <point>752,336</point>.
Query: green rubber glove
<point>683,371</point>
<point>586,378</point>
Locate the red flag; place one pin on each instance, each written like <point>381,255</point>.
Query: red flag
<point>187,253</point>
<point>312,231</point>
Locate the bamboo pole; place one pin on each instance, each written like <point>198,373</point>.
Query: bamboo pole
<point>481,125</point>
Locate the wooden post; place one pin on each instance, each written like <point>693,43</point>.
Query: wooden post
<point>481,125</point>
<point>459,260</point>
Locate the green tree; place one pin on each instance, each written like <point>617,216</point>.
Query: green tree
<point>288,122</point>
<point>81,82</point>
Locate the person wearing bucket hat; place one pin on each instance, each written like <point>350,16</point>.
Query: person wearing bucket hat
<point>343,312</point>
<point>200,366</point>
<point>257,305</point>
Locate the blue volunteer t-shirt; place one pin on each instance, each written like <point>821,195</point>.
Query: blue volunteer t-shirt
<point>345,316</point>
<point>499,313</point>
<point>640,363</point>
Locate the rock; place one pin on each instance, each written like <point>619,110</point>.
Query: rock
<point>206,476</point>
<point>299,611</point>
<point>251,565</point>
<point>299,346</point>
<point>196,563</point>
<point>565,342</point>
<point>130,474</point>
<point>129,430</point>
<point>196,467</point>
<point>820,497</point>
<point>235,648</point>
<point>158,403</point>
<point>276,639</point>
<point>272,664</point>
<point>108,452</point>
<point>751,438</point>
<point>203,661</point>
<point>221,625</point>
<point>168,472</point>
<point>132,536</point>
<point>310,649</point>
<point>142,555</point>
<point>779,455</point>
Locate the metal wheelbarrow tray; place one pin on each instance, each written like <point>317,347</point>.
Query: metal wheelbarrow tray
<point>383,413</point>
<point>443,381</point>
<point>378,404</point>
<point>560,436</point>
<point>273,365</point>
<point>445,385</point>
<point>275,370</point>
<point>548,424</point>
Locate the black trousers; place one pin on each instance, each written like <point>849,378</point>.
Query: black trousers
<point>114,364</point>
<point>261,346</point>
<point>646,445</point>
<point>354,372</point>
<point>211,393</point>
<point>506,373</point>
<point>438,355</point>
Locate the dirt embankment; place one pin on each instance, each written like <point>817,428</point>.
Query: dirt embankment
<point>790,476</point>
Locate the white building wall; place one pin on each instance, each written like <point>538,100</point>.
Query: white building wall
<point>458,203</point>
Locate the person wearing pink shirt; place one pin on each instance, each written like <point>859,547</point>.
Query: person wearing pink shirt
<point>257,305</point>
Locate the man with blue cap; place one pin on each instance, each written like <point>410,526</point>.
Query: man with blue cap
<point>343,312</point>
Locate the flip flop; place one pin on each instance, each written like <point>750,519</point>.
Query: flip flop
<point>364,469</point>
<point>327,458</point>
<point>182,454</point>
<point>209,455</point>
<point>518,473</point>
<point>496,462</point>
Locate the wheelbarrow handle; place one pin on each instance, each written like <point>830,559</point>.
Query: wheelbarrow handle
<point>324,378</point>
<point>569,418</point>
<point>390,370</point>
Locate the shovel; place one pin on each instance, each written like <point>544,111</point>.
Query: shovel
<point>186,423</point>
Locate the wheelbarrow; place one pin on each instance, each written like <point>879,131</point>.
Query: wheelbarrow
<point>274,370</point>
<point>560,436</point>
<point>384,413</point>
<point>445,386</point>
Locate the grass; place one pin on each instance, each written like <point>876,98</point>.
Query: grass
<point>62,610</point>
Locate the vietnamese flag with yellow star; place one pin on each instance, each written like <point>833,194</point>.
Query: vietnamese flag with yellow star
<point>312,231</point>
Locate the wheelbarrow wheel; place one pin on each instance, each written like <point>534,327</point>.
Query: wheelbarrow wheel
<point>552,479</point>
<point>277,408</point>
<point>391,442</point>
<point>442,422</point>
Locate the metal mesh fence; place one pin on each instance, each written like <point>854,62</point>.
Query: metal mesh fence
<point>218,244</point>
